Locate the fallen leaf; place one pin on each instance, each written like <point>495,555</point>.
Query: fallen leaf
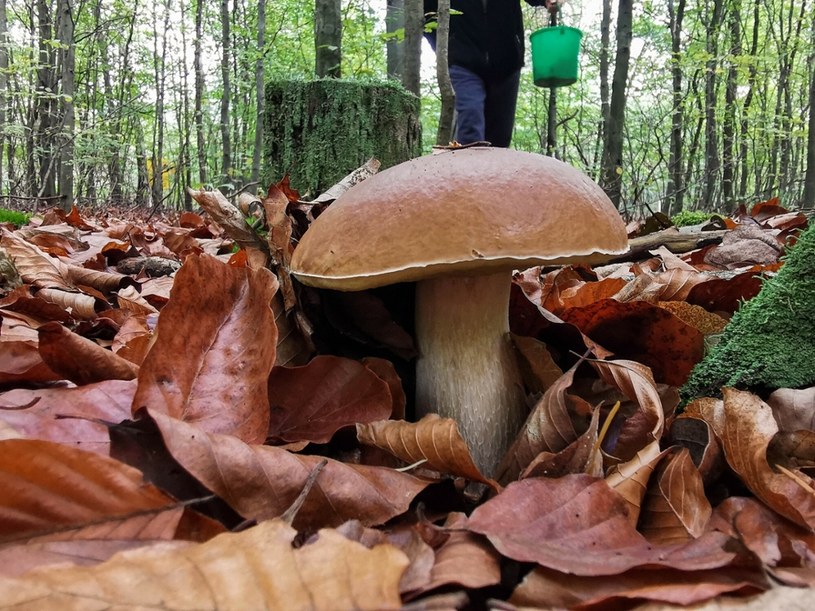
<point>214,350</point>
<point>255,569</point>
<point>433,439</point>
<point>314,401</point>
<point>793,409</point>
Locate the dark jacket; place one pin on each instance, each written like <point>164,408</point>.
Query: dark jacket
<point>487,36</point>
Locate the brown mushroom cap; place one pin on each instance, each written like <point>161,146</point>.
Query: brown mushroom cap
<point>471,210</point>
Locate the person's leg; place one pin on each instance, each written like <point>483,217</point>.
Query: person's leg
<point>470,94</point>
<point>499,109</point>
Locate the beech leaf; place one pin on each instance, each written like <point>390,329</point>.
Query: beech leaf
<point>214,350</point>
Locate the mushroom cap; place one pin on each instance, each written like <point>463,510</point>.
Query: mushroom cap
<point>463,211</point>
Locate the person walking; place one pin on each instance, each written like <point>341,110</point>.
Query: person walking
<point>486,53</point>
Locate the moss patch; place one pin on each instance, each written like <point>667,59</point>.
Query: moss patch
<point>770,341</point>
<point>319,131</point>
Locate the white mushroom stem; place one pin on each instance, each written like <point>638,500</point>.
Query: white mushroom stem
<point>467,368</point>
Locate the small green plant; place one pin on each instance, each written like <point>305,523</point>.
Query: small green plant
<point>18,219</point>
<point>690,217</point>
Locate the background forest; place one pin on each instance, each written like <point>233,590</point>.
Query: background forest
<point>709,102</point>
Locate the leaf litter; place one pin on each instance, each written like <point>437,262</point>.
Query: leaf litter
<point>237,440</point>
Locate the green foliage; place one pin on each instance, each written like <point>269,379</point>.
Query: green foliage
<point>690,217</point>
<point>18,219</point>
<point>770,341</point>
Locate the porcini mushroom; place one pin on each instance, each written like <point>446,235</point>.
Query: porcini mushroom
<point>458,223</point>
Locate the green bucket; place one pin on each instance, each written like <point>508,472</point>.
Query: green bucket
<point>555,51</point>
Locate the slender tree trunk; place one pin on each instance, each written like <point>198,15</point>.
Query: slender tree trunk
<point>199,93</point>
<point>328,38</point>
<point>551,115</point>
<point>612,166</point>
<point>45,145</point>
<point>676,184</point>
<point>395,21</point>
<point>4,115</point>
<point>226,97</point>
<point>605,54</point>
<point>712,161</point>
<point>444,134</point>
<point>185,171</point>
<point>414,25</point>
<point>160,71</point>
<point>67,61</point>
<point>748,100</point>
<point>809,177</point>
<point>730,96</point>
<point>260,98</point>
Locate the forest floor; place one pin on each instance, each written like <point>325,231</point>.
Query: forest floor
<point>170,440</point>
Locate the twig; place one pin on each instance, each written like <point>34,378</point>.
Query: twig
<point>289,515</point>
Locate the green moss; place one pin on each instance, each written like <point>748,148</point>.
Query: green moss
<point>319,131</point>
<point>770,341</point>
<point>18,219</point>
<point>690,217</point>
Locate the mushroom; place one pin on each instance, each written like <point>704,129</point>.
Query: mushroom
<point>458,223</point>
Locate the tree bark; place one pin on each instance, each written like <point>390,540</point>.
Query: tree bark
<point>395,49</point>
<point>748,100</point>
<point>809,177</point>
<point>160,72</point>
<point>612,166</point>
<point>712,161</point>
<point>551,115</point>
<point>199,93</point>
<point>676,176</point>
<point>260,97</point>
<point>444,133</point>
<point>730,96</point>
<point>43,121</point>
<point>66,139</point>
<point>414,25</point>
<point>328,38</point>
<point>226,97</point>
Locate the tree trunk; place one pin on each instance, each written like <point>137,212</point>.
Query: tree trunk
<point>328,38</point>
<point>712,161</point>
<point>66,149</point>
<point>748,100</point>
<point>444,134</point>
<point>395,22</point>
<point>199,93</point>
<point>226,98</point>
<point>414,25</point>
<point>45,145</point>
<point>809,177</point>
<point>551,115</point>
<point>729,125</point>
<point>605,52</point>
<point>612,166</point>
<point>3,84</point>
<point>160,71</point>
<point>260,98</point>
<point>676,179</point>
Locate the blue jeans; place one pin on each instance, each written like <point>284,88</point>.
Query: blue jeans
<point>485,108</point>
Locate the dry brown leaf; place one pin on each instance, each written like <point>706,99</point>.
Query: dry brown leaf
<point>81,360</point>
<point>630,479</point>
<point>745,426</point>
<point>464,559</point>
<point>556,421</point>
<point>697,436</point>
<point>52,491</point>
<point>545,588</point>
<point>433,439</point>
<point>793,409</point>
<point>538,369</point>
<point>255,569</point>
<point>233,222</point>
<point>577,524</point>
<point>387,372</point>
<point>85,407</point>
<point>78,305</point>
<point>676,508</point>
<point>214,350</point>
<point>21,363</point>
<point>262,482</point>
<point>34,266</point>
<point>312,402</point>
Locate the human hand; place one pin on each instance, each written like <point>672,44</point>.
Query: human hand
<point>552,5</point>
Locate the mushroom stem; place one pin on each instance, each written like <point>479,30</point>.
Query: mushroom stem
<point>467,369</point>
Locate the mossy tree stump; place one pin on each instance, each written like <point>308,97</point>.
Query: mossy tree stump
<point>770,341</point>
<point>319,131</point>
